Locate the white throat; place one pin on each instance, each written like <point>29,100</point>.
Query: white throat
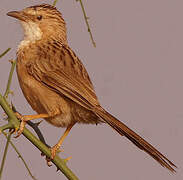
<point>32,32</point>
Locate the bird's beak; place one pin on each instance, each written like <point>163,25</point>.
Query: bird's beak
<point>18,15</point>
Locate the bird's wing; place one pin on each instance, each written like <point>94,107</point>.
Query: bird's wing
<point>65,74</point>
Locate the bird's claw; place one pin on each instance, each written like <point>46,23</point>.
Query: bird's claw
<point>48,161</point>
<point>54,150</point>
<point>20,130</point>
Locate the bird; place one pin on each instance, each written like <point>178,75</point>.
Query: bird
<point>56,84</point>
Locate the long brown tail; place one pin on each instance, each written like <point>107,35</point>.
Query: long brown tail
<point>135,138</point>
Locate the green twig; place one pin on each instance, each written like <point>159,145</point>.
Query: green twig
<point>6,126</point>
<point>55,2</point>
<point>5,154</point>
<point>9,124</point>
<point>87,23</point>
<point>13,62</point>
<point>20,156</point>
<point>86,19</point>
<point>60,163</point>
<point>1,55</point>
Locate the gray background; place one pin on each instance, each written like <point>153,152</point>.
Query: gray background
<point>137,72</point>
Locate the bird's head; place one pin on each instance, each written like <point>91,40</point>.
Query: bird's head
<point>41,22</point>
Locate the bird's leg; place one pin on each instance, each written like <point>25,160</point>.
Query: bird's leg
<point>26,118</point>
<point>55,148</point>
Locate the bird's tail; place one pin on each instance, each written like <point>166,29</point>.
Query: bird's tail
<point>123,130</point>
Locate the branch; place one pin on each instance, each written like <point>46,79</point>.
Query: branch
<point>5,154</point>
<point>13,62</point>
<point>86,21</point>
<point>9,125</point>
<point>60,163</point>
<point>20,156</point>
<point>55,2</point>
<point>6,126</point>
<point>1,55</point>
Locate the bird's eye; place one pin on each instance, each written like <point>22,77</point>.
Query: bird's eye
<point>39,17</point>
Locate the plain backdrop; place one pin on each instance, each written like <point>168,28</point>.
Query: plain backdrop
<point>137,71</point>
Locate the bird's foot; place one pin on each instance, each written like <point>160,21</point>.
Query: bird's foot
<point>23,120</point>
<point>55,150</point>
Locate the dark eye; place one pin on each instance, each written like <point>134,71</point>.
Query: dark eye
<point>39,17</point>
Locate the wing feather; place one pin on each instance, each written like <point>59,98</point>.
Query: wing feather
<point>65,75</point>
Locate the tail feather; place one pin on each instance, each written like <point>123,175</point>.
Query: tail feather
<point>123,130</point>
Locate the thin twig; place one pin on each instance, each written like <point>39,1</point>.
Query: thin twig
<point>6,126</point>
<point>86,19</point>
<point>87,23</point>
<point>6,96</point>
<point>20,156</point>
<point>55,2</point>
<point>13,62</point>
<point>5,155</point>
<point>1,55</point>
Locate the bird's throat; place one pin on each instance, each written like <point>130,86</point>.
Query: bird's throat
<point>32,33</point>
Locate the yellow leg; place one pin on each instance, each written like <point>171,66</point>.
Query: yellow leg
<point>55,148</point>
<point>31,117</point>
<point>26,118</point>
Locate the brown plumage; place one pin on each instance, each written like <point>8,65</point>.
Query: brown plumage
<point>55,82</point>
